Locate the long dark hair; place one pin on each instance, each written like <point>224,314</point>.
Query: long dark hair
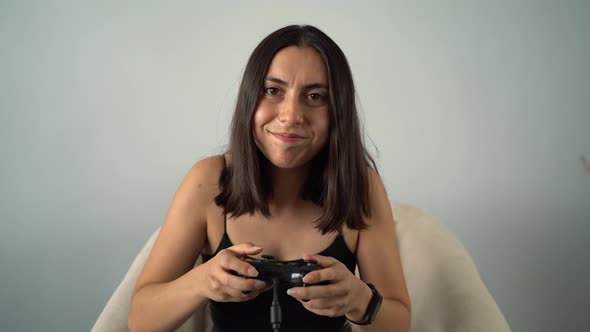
<point>338,177</point>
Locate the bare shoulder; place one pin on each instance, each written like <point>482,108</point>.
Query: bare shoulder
<point>374,178</point>
<point>206,172</point>
<point>200,184</point>
<point>196,194</point>
<point>378,199</point>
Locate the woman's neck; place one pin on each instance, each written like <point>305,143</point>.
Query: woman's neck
<point>287,186</point>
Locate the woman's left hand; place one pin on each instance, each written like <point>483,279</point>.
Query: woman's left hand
<point>344,293</point>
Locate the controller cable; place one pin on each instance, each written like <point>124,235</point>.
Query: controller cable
<point>275,308</point>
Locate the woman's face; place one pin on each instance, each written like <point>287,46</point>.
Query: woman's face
<point>292,120</point>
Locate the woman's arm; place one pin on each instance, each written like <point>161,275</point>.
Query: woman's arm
<point>380,264</point>
<point>170,288</point>
<point>166,295</point>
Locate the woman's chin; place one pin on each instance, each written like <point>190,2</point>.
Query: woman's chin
<point>288,163</point>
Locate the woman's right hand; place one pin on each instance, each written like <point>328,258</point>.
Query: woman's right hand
<point>219,284</point>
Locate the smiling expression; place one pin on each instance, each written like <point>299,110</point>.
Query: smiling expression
<point>292,119</point>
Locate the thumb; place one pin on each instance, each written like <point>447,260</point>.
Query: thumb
<point>246,248</point>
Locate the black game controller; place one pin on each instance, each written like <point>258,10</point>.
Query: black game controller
<point>287,273</point>
<point>276,273</point>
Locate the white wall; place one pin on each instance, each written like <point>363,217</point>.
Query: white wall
<point>480,113</point>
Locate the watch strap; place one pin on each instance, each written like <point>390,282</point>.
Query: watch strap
<point>372,308</point>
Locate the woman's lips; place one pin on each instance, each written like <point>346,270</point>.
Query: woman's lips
<point>289,138</point>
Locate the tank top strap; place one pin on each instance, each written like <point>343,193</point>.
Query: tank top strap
<point>224,224</point>
<point>224,215</point>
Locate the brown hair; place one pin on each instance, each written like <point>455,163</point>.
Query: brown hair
<point>338,177</point>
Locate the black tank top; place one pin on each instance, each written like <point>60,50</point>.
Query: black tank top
<point>254,315</point>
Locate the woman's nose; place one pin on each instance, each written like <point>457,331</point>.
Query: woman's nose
<point>290,111</point>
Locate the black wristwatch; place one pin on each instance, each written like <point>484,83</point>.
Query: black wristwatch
<point>372,309</point>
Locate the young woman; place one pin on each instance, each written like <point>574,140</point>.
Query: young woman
<point>296,183</point>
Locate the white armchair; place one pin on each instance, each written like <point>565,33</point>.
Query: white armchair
<point>446,291</point>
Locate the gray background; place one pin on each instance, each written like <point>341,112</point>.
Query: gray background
<point>480,112</point>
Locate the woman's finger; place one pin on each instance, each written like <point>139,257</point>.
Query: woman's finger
<point>316,292</point>
<point>324,275</point>
<point>243,284</point>
<point>322,261</point>
<point>231,263</point>
<point>244,249</point>
<point>334,303</point>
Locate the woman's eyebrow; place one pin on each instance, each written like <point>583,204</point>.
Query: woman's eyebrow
<point>307,86</point>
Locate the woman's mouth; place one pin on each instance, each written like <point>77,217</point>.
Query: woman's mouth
<point>288,137</point>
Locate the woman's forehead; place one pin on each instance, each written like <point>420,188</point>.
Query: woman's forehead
<point>298,66</point>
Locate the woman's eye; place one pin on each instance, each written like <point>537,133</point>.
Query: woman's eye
<point>271,91</point>
<point>316,97</point>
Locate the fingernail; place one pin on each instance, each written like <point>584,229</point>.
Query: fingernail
<point>291,292</point>
<point>256,247</point>
<point>252,272</point>
<point>259,284</point>
<point>308,279</point>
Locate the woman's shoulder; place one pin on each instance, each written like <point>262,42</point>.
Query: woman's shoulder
<point>205,173</point>
<point>374,181</point>
<point>210,165</point>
